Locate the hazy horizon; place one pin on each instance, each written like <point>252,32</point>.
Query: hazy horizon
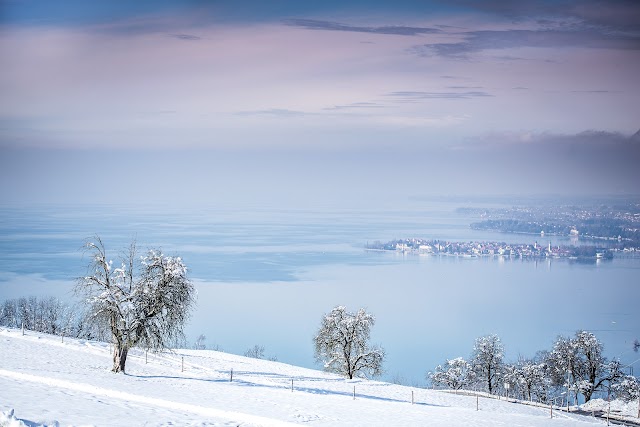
<point>336,103</point>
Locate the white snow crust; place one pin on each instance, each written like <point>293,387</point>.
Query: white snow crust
<point>46,382</point>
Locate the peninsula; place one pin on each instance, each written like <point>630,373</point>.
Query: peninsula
<point>498,249</point>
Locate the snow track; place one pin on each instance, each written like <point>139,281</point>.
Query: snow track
<point>98,391</point>
<point>51,383</point>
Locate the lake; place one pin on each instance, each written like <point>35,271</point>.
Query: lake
<point>266,276</point>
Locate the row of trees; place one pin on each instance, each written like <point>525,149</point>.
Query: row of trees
<point>48,315</point>
<point>146,300</point>
<point>574,363</point>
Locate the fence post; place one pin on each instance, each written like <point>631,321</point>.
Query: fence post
<point>412,397</point>
<point>231,377</point>
<point>146,351</point>
<point>477,401</point>
<point>551,408</point>
<point>354,392</point>
<point>22,328</point>
<point>291,385</point>
<point>608,411</point>
<point>182,363</point>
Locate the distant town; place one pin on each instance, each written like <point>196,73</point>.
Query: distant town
<point>498,249</point>
<point>595,231</point>
<point>618,223</point>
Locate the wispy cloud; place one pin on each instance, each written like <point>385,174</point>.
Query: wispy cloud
<point>416,96</point>
<point>356,106</point>
<point>185,37</point>
<point>619,15</point>
<point>273,112</point>
<point>464,87</point>
<point>477,41</point>
<point>595,91</point>
<point>399,30</point>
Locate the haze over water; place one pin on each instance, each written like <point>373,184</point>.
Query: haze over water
<point>266,277</point>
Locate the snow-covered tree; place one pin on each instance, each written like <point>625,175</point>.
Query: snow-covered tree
<point>510,380</point>
<point>628,389</point>
<point>578,363</point>
<point>532,380</point>
<point>9,314</point>
<point>563,361</point>
<point>342,344</point>
<point>47,314</point>
<point>486,360</point>
<point>592,366</point>
<point>454,374</point>
<point>143,302</point>
<point>612,374</point>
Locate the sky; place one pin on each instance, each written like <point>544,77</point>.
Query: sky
<point>330,103</point>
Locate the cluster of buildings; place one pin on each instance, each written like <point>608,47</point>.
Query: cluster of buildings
<point>476,249</point>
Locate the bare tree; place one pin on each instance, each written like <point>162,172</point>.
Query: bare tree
<point>256,352</point>
<point>342,344</point>
<point>46,314</point>
<point>200,343</point>
<point>488,353</point>
<point>143,302</point>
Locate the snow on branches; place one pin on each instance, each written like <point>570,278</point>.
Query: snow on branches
<point>143,302</point>
<point>342,344</point>
<point>454,374</point>
<point>488,353</point>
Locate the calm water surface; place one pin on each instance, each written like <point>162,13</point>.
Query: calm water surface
<point>266,276</point>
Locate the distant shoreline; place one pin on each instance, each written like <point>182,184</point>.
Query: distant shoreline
<point>494,249</point>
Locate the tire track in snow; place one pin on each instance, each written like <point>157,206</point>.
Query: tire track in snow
<point>200,410</point>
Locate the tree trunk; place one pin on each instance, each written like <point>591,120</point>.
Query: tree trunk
<point>119,357</point>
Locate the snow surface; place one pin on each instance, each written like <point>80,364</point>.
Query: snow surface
<point>46,382</point>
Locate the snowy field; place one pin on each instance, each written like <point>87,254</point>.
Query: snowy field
<point>44,381</point>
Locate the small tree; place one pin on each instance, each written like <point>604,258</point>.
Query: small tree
<point>563,361</point>
<point>488,353</point>
<point>256,352</point>
<point>455,374</point>
<point>200,343</point>
<point>532,380</point>
<point>144,302</point>
<point>579,360</point>
<point>46,314</point>
<point>628,389</point>
<point>593,363</point>
<point>342,344</point>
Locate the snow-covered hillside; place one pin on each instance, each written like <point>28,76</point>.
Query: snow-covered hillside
<point>46,381</point>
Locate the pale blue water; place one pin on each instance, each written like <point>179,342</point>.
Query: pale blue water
<point>266,276</point>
